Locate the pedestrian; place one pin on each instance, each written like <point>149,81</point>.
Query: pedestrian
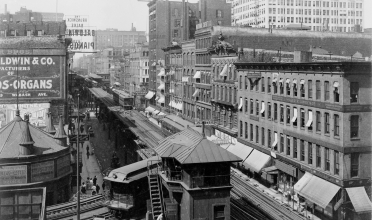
<point>87,148</point>
<point>81,128</point>
<point>95,180</point>
<point>97,188</point>
<point>83,188</point>
<point>103,185</point>
<point>88,183</point>
<point>160,217</point>
<point>94,192</point>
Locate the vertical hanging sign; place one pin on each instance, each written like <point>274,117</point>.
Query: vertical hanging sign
<point>81,32</point>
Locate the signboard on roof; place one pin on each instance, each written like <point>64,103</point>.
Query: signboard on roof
<point>82,34</point>
<point>10,175</point>
<point>33,77</point>
<point>42,171</point>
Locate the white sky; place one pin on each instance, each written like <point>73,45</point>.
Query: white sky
<point>103,14</point>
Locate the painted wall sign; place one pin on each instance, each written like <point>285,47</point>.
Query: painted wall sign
<point>13,175</point>
<point>42,171</point>
<point>82,34</point>
<point>38,77</point>
<point>63,165</point>
<point>36,112</point>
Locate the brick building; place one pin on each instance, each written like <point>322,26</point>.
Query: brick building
<point>115,38</point>
<point>314,121</point>
<point>188,60</point>
<point>26,16</point>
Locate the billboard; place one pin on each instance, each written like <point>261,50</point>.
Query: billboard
<point>10,175</point>
<point>32,77</point>
<point>82,34</point>
<point>35,111</point>
<point>42,171</point>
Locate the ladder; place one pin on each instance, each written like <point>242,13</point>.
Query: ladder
<point>155,189</point>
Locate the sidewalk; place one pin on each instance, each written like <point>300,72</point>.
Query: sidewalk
<point>275,195</point>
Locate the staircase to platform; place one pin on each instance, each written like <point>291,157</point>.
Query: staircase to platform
<point>155,191</point>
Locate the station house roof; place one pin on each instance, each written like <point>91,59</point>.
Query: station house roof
<point>191,147</point>
<point>15,134</point>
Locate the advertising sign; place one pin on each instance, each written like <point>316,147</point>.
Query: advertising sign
<point>13,175</point>
<point>63,165</point>
<point>36,112</point>
<point>42,171</point>
<point>38,77</point>
<point>81,32</point>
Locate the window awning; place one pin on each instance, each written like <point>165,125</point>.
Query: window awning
<point>197,75</point>
<point>185,79</point>
<point>256,161</point>
<point>336,87</point>
<point>359,198</point>
<point>294,82</point>
<point>302,182</point>
<point>240,150</point>
<point>224,71</point>
<point>302,82</point>
<point>149,109</point>
<point>281,81</point>
<point>275,80</point>
<point>240,103</point>
<point>294,115</point>
<point>287,81</point>
<point>319,191</point>
<point>262,107</point>
<point>275,140</point>
<point>161,100</point>
<point>196,93</point>
<point>336,84</point>
<point>162,86</point>
<point>149,95</point>
<point>153,64</point>
<point>162,72</point>
<point>308,123</point>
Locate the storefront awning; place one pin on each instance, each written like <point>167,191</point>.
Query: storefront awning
<point>240,103</point>
<point>262,107</point>
<point>149,95</point>
<point>319,191</point>
<point>256,161</point>
<point>197,75</point>
<point>287,81</point>
<point>155,112</point>
<point>161,113</point>
<point>302,81</point>
<point>179,106</point>
<point>240,150</point>
<point>162,72</point>
<point>294,115</point>
<point>310,121</point>
<point>275,140</point>
<point>359,198</point>
<point>161,100</point>
<point>302,182</point>
<point>149,109</point>
<point>162,86</point>
<point>196,93</point>
<point>224,71</point>
<point>117,84</point>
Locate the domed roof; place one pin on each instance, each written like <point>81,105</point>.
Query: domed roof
<point>20,133</point>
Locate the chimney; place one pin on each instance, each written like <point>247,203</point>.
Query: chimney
<point>27,142</point>
<point>60,136</point>
<point>49,123</point>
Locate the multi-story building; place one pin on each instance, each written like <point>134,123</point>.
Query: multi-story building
<point>115,38</point>
<point>26,16</point>
<point>318,15</point>
<point>314,120</point>
<point>188,63</point>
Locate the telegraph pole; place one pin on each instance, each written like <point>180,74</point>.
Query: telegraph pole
<point>78,161</point>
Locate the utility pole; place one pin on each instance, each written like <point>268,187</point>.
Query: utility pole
<point>78,162</point>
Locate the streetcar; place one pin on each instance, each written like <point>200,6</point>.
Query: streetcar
<point>129,189</point>
<point>123,99</point>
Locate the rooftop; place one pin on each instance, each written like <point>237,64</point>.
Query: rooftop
<point>33,42</point>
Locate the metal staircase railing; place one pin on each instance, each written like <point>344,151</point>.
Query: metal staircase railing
<point>155,188</point>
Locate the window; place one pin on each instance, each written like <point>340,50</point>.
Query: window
<point>354,126</point>
<point>354,90</point>
<point>288,145</point>
<point>281,87</point>
<point>269,110</point>
<point>219,23</point>
<point>275,86</point>
<point>302,150</point>
<point>302,89</point>
<point>294,147</point>
<point>288,87</point>
<point>294,89</point>
<point>327,161</point>
<point>246,105</point>
<point>275,111</point>
<point>241,82</point>
<point>257,108</point>
<point>281,143</point>
<point>326,91</point>
<point>337,162</point>
<point>310,152</point>
<point>39,33</point>
<point>318,157</point>
<point>246,130</point>
<point>241,129</point>
<point>175,33</point>
<point>268,85</point>
<point>294,119</point>
<point>251,131</point>
<point>246,83</point>
<point>326,123</point>
<point>175,12</point>
<point>29,33</point>
<point>219,14</point>
<point>257,135</point>
<point>177,23</point>
<point>336,125</point>
<point>252,84</point>
<point>310,89</point>
<point>263,136</point>
<point>288,121</point>
<point>262,84</point>
<point>318,90</point>
<point>262,109</point>
<point>251,107</point>
<point>309,123</point>
<point>302,118</point>
<point>268,138</point>
<point>318,123</point>
<point>281,113</point>
<point>336,92</point>
<point>219,212</point>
